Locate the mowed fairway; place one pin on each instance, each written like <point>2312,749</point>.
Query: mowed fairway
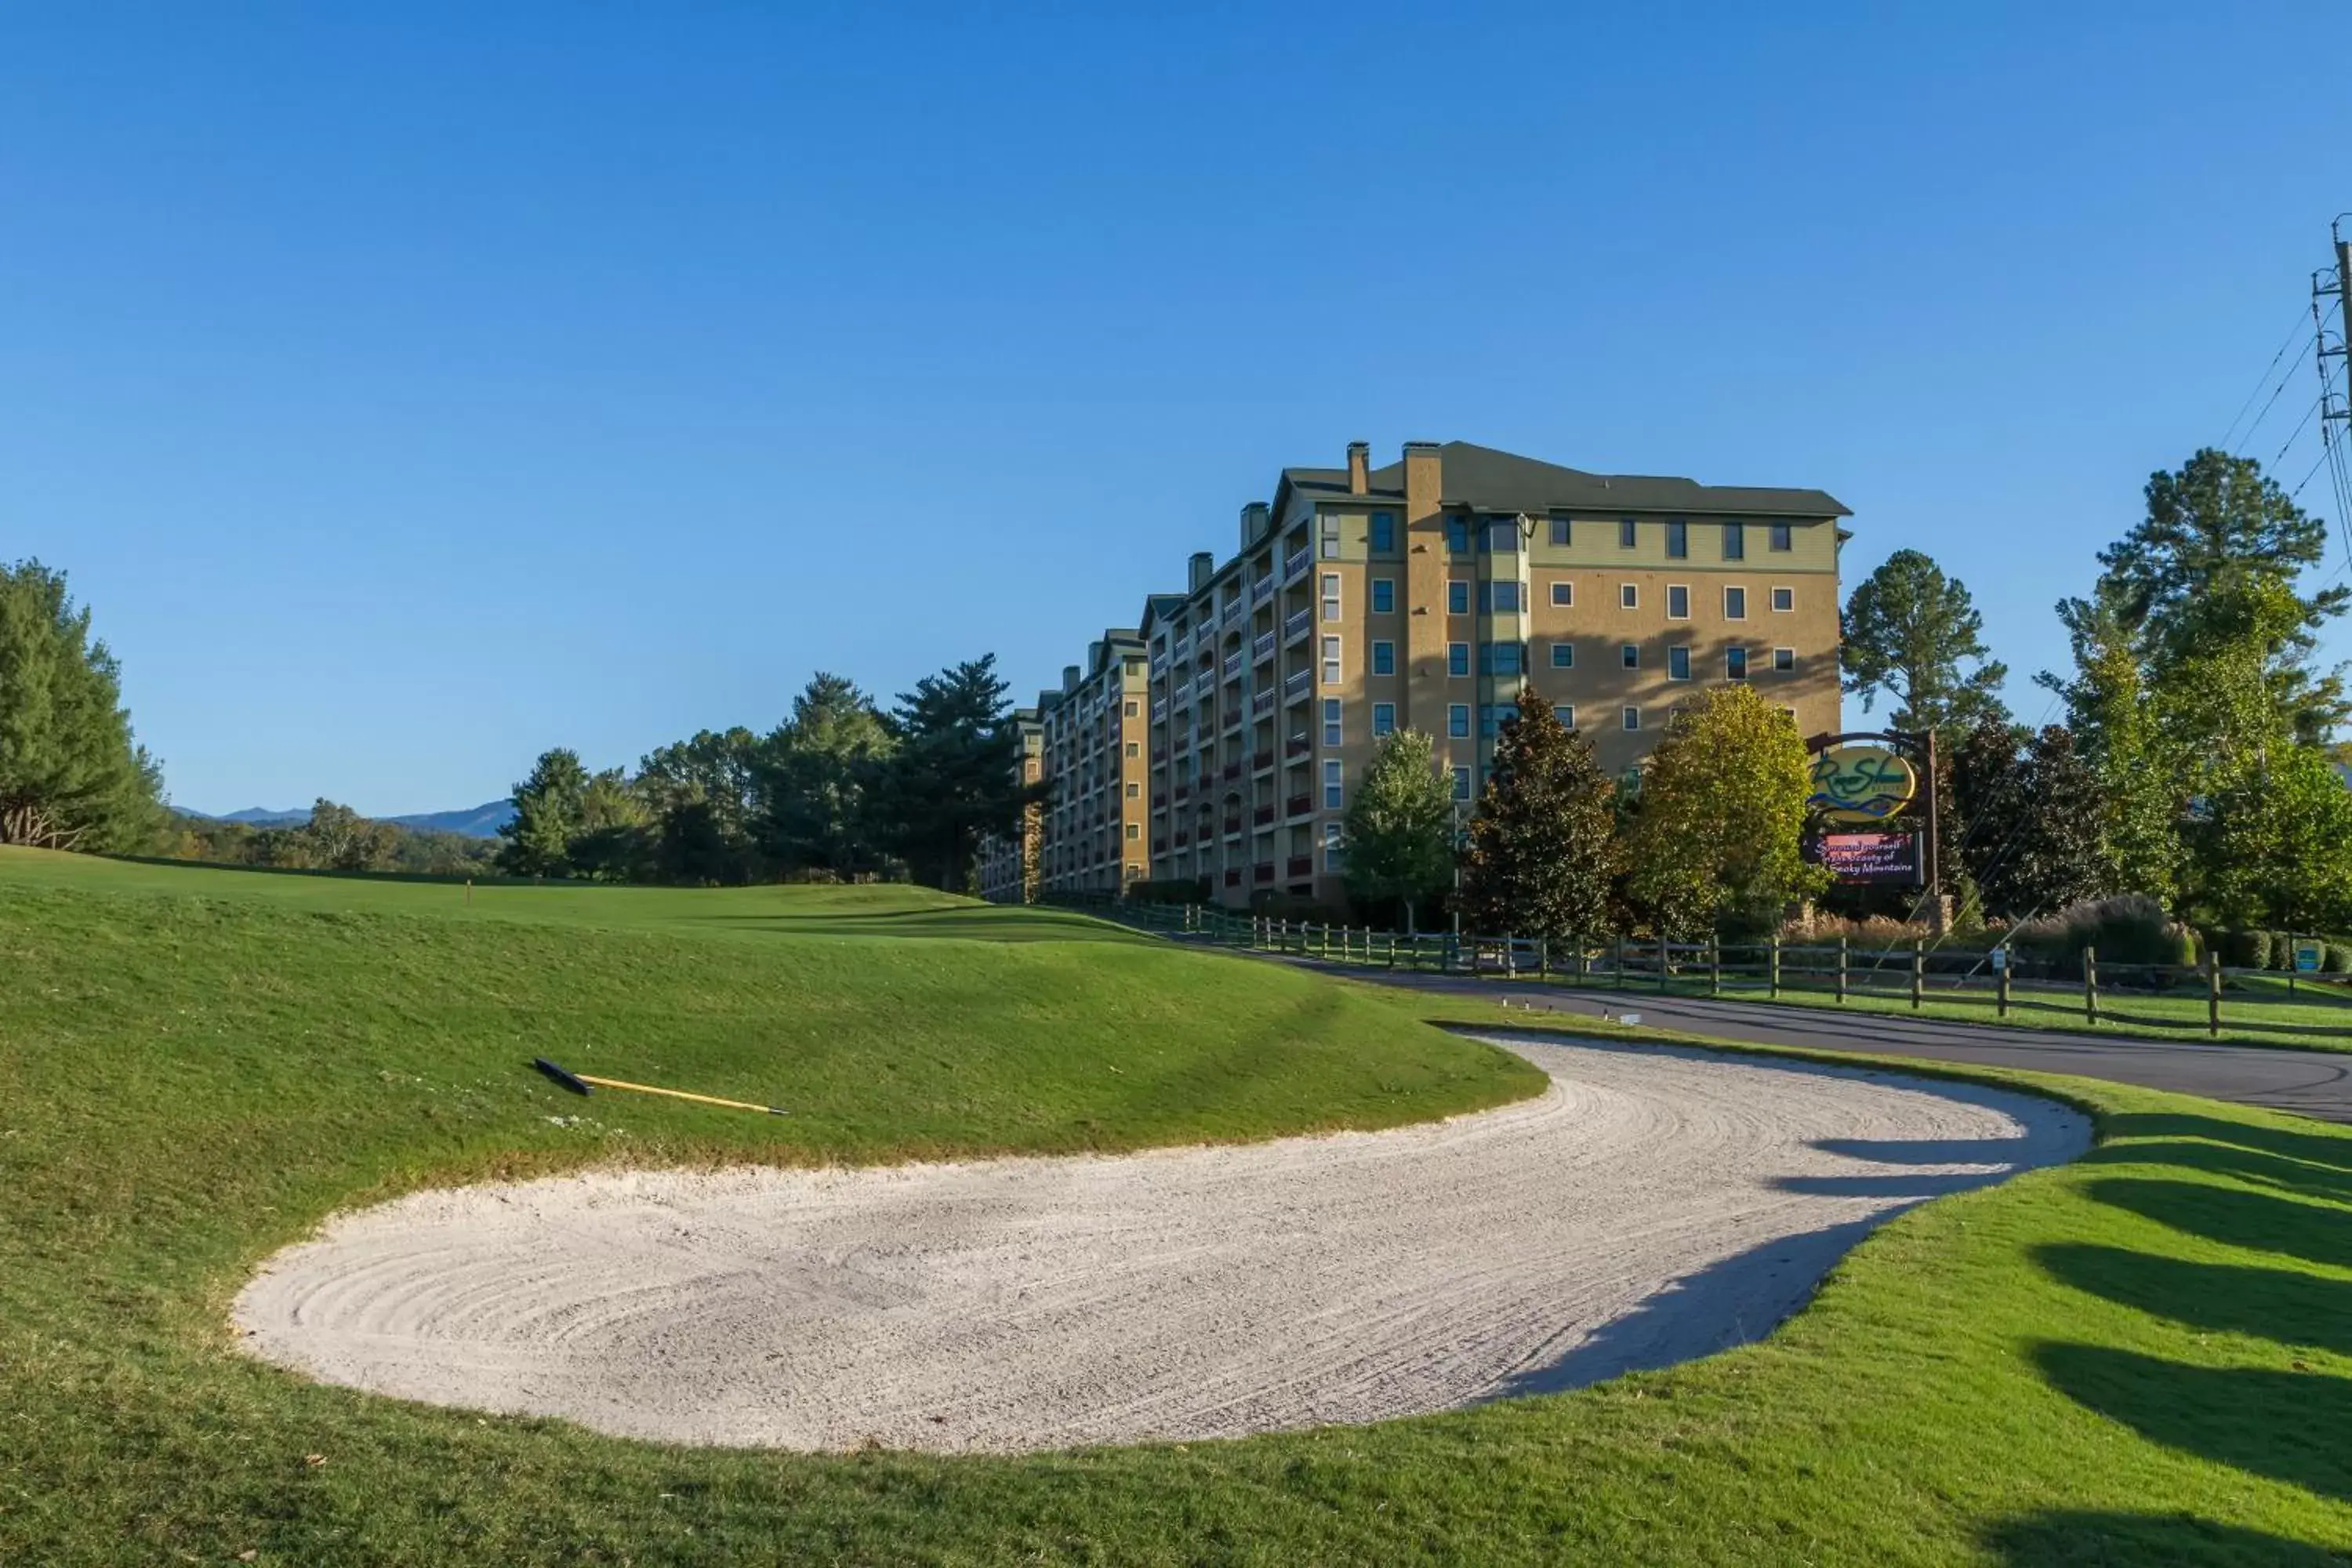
<point>2140,1357</point>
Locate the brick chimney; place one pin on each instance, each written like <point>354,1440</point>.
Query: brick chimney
<point>1359,467</point>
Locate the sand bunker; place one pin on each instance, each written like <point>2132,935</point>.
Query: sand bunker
<point>1652,1205</point>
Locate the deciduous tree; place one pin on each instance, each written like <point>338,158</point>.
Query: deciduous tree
<point>1401,826</point>
<point>1715,834</point>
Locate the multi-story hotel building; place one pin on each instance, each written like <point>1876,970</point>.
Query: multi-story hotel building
<point>1010,870</point>
<point>1430,595</point>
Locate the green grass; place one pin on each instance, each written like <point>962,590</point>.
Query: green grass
<point>2143,1357</point>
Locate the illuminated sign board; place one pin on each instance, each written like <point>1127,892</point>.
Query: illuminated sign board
<point>1869,857</point>
<point>1860,784</point>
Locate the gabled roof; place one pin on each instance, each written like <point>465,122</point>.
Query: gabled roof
<point>1481,478</point>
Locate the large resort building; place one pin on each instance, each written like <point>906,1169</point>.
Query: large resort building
<point>1217,742</point>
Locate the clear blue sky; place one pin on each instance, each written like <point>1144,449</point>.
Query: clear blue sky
<point>412,387</point>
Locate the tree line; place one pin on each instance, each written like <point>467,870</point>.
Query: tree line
<point>2195,764</point>
<point>334,838</point>
<point>842,789</point>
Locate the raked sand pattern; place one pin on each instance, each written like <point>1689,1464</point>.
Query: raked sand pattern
<point>1652,1205</point>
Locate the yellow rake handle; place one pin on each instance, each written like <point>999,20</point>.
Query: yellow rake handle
<point>680,1094</point>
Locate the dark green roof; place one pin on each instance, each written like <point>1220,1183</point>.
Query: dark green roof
<point>1482,479</point>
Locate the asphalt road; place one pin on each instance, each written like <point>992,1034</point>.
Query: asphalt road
<point>2309,1083</point>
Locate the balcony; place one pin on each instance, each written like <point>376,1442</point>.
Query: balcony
<point>1262,648</point>
<point>1207,685</point>
<point>1262,817</point>
<point>1183,698</point>
<point>1182,839</point>
<point>1233,827</point>
<point>1233,610</point>
<point>1298,746</point>
<point>1295,564</point>
<point>1297,624</point>
<point>1233,769</point>
<point>1262,704</point>
<point>1159,709</point>
<point>1233,670</point>
<point>1263,872</point>
<point>1160,801</point>
<point>1261,590</point>
<point>1300,866</point>
<point>1298,685</point>
<point>1297,805</point>
<point>1232,877</point>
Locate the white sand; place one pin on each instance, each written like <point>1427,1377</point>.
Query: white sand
<point>1652,1205</point>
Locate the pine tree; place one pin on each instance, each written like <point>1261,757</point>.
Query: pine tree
<point>71,777</point>
<point>953,778</point>
<point>1400,825</point>
<point>1542,854</point>
<point>548,813</point>
<point>1907,630</point>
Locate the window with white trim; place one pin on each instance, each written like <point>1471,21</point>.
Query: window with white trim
<point>1630,655</point>
<point>1784,599</point>
<point>1334,796</point>
<point>1784,660</point>
<point>1331,721</point>
<point>1563,594</point>
<point>1330,595</point>
<point>1677,601</point>
<point>1631,718</point>
<point>1458,720</point>
<point>1383,718</point>
<point>1384,659</point>
<point>1678,664</point>
<point>1329,525</point>
<point>1735,542</point>
<point>1566,714</point>
<point>1735,603</point>
<point>1330,661</point>
<point>1563,655</point>
<point>1334,852</point>
<point>1457,597</point>
<point>1457,659</point>
<point>1561,530</point>
<point>1629,597</point>
<point>1735,663</point>
<point>1383,596</point>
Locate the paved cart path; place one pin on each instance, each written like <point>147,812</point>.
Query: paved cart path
<point>1652,1204</point>
<point>2309,1083</point>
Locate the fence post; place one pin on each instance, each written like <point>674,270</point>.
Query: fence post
<point>1666,957</point>
<point>2212,992</point>
<point>2091,985</point>
<point>2000,984</point>
<point>1714,966</point>
<point>1840,975</point>
<point>1772,966</point>
<point>1918,972</point>
<point>1543,958</point>
<point>1617,961</point>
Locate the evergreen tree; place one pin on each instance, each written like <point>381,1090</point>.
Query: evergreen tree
<point>815,775</point>
<point>1715,834</point>
<point>1542,854</point>
<point>549,813</point>
<point>1908,630</point>
<point>2031,820</point>
<point>704,794</point>
<point>72,776</point>
<point>953,777</point>
<point>1401,826</point>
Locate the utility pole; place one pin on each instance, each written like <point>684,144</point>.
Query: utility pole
<point>2335,410</point>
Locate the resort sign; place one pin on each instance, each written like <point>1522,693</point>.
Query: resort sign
<point>1860,784</point>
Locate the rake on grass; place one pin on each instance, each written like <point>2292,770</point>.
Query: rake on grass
<point>580,1083</point>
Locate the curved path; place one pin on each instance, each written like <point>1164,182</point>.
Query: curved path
<point>1651,1206</point>
<point>2309,1083</point>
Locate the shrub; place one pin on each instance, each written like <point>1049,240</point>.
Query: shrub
<point>2131,929</point>
<point>2338,959</point>
<point>1877,931</point>
<point>2244,949</point>
<point>1170,891</point>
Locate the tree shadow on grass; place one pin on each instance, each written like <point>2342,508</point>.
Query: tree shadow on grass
<point>2331,1151</point>
<point>2276,1304</point>
<point>2314,1231</point>
<point>2084,1539</point>
<point>2300,1177</point>
<point>2288,1426</point>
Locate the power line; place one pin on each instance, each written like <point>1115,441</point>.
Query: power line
<point>2293,333</point>
<point>2275,393</point>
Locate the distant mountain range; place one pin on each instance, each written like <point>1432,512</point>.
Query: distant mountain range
<point>479,822</point>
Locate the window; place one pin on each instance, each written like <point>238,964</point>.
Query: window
<point>1383,596</point>
<point>1335,853</point>
<point>1330,531</point>
<point>1566,714</point>
<point>1735,603</point>
<point>1561,531</point>
<point>1491,716</point>
<point>1735,542</point>
<point>1500,598</point>
<point>1457,599</point>
<point>1134,747</point>
<point>1678,602</point>
<point>1563,593</point>
<point>1383,718</point>
<point>1130,710</point>
<point>1784,598</point>
<point>1629,597</point>
<point>1330,595</point>
<point>1384,659</point>
<point>1677,539</point>
<point>1457,536</point>
<point>1462,784</point>
<point>1501,536</point>
<point>1563,655</point>
<point>1782,537</point>
<point>1458,720</point>
<point>1134,830</point>
<point>1631,719</point>
<point>1677,664</point>
<point>1330,661</point>
<point>1735,663</point>
<point>1134,791</point>
<point>1457,659</point>
<point>1630,655</point>
<point>1331,721</point>
<point>1383,531</point>
<point>1626,535</point>
<point>1784,660</point>
<point>1502,658</point>
<point>1332,793</point>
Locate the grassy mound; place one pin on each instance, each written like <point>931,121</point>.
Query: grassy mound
<point>2142,1357</point>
